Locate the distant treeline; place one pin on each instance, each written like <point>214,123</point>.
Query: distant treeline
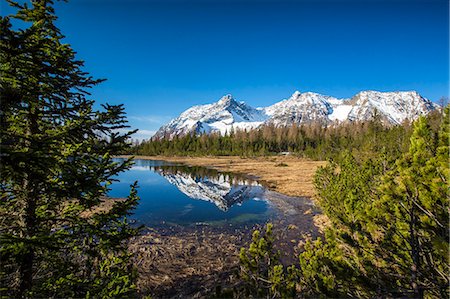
<point>313,141</point>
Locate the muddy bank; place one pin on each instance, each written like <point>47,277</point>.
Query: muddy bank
<point>188,262</point>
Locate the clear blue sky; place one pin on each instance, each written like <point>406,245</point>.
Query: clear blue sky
<point>161,57</point>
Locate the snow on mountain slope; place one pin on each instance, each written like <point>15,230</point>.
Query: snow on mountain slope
<point>221,117</point>
<point>395,107</point>
<point>300,108</point>
<point>340,112</point>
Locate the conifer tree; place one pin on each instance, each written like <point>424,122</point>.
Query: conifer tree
<point>261,269</point>
<point>416,200</point>
<point>56,166</point>
<point>389,233</point>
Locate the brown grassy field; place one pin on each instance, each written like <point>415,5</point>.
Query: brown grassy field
<point>289,175</point>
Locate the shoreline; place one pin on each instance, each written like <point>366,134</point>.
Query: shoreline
<point>196,260</point>
<point>287,175</point>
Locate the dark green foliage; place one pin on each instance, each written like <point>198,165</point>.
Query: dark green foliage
<point>389,223</point>
<point>415,195</point>
<point>261,270</point>
<point>347,190</point>
<point>312,141</point>
<point>56,166</point>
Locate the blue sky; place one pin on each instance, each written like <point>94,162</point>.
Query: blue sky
<point>161,57</point>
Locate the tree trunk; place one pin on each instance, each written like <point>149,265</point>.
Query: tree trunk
<point>26,272</point>
<point>29,214</point>
<point>414,242</point>
<point>27,258</point>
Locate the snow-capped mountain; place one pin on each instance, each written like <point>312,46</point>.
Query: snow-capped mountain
<point>300,108</point>
<point>220,191</point>
<point>394,107</point>
<point>217,117</point>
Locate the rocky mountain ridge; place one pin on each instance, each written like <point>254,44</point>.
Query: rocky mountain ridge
<point>301,108</point>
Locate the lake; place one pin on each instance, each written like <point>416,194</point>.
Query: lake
<point>198,219</point>
<point>174,194</point>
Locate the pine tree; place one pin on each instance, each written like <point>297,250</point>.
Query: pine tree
<point>346,262</point>
<point>262,271</point>
<point>416,197</point>
<point>389,233</point>
<point>56,166</point>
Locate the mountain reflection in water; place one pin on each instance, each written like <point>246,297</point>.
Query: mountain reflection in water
<point>224,190</point>
<point>173,194</point>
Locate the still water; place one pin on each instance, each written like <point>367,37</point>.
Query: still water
<point>180,195</point>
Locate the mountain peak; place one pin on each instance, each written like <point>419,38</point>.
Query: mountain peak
<point>296,94</point>
<point>307,97</point>
<point>226,100</point>
<point>301,108</point>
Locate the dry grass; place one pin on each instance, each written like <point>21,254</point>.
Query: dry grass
<point>105,205</point>
<point>295,178</point>
<point>192,262</point>
<point>189,264</point>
